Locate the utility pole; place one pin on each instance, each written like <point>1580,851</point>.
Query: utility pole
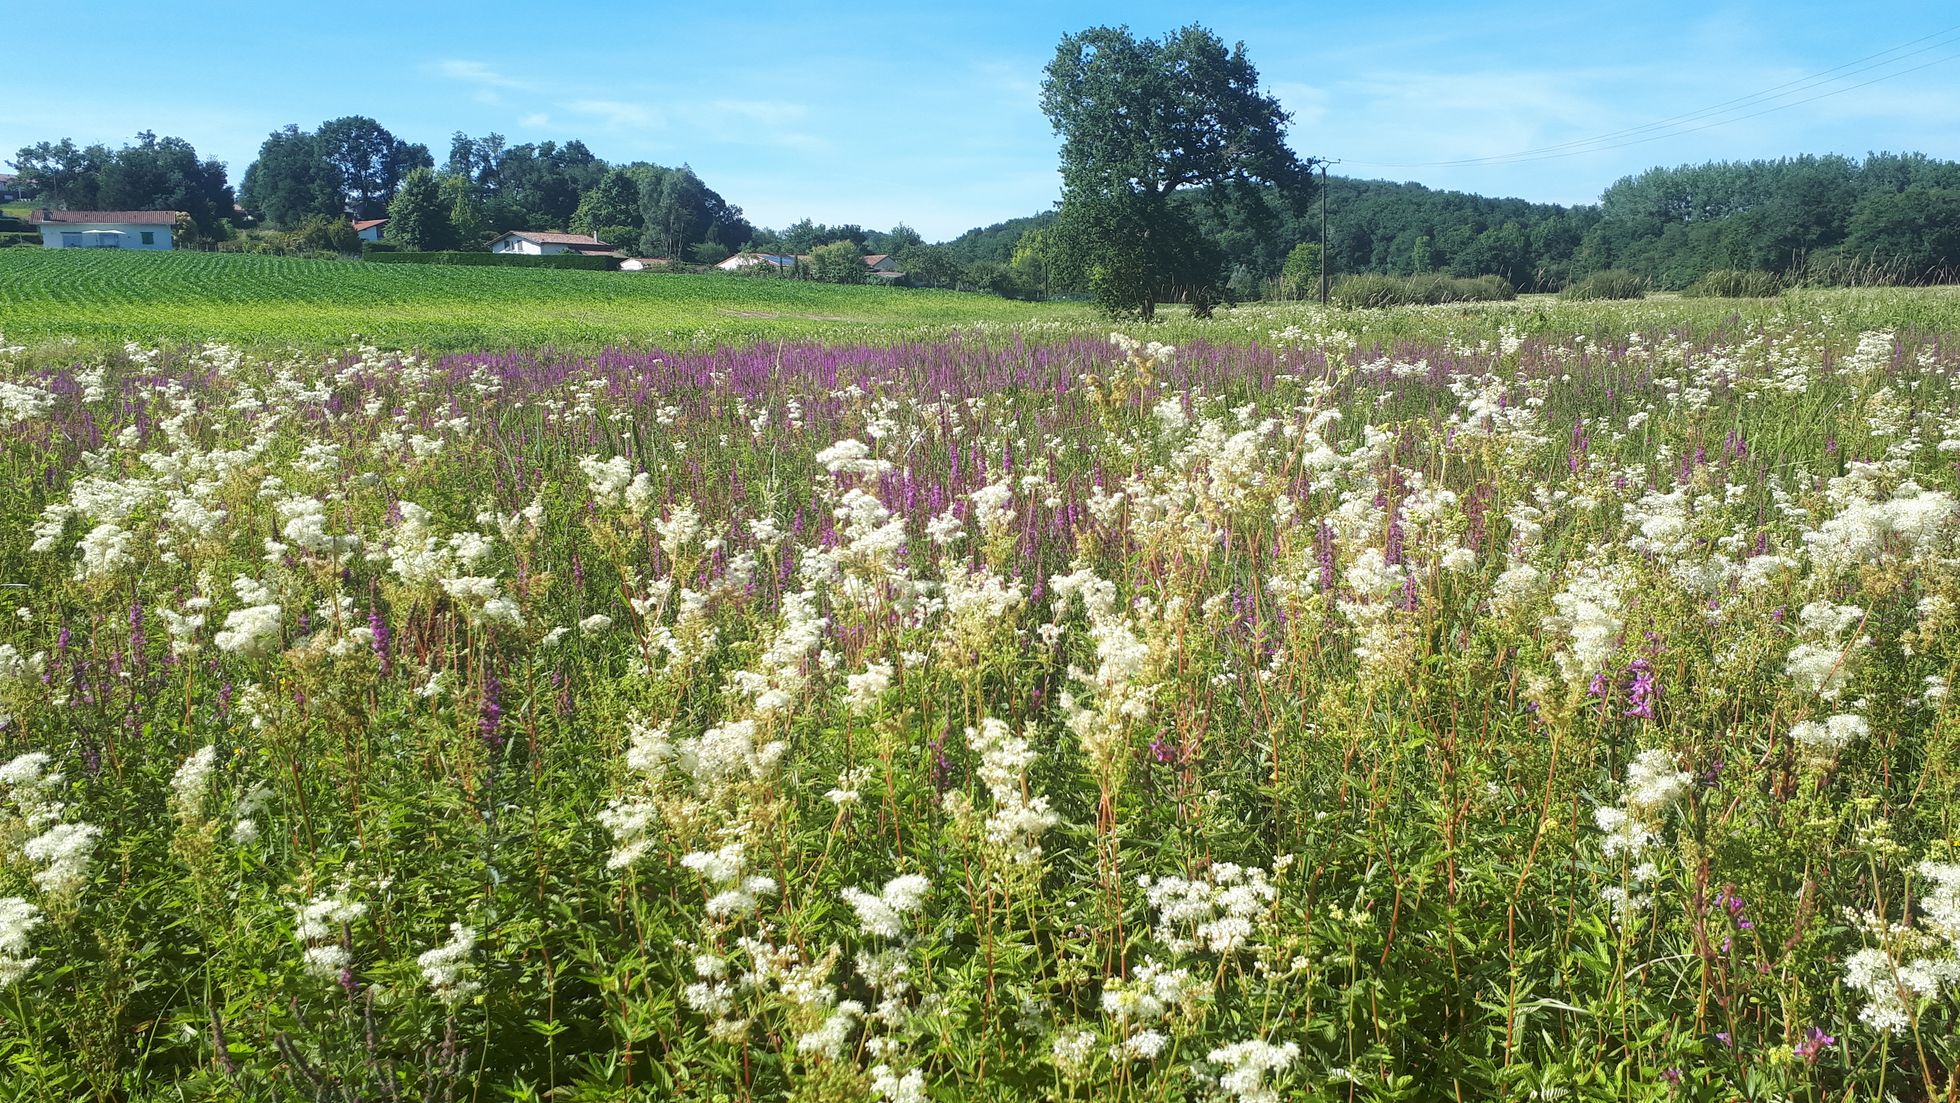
<point>1323,227</point>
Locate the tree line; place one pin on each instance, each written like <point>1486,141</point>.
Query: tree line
<point>1177,185</point>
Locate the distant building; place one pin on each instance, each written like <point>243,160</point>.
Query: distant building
<point>9,187</point>
<point>369,229</point>
<point>750,260</point>
<point>540,244</point>
<point>642,264</point>
<point>106,229</point>
<point>881,264</point>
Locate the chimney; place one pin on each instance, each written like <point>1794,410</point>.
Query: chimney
<point>47,215</point>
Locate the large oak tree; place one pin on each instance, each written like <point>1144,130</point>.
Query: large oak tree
<point>1141,119</point>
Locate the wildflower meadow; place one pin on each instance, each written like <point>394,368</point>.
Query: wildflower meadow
<point>1290,714</point>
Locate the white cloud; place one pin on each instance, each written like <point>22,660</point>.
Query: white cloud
<point>618,114</point>
<point>536,120</point>
<point>474,72</point>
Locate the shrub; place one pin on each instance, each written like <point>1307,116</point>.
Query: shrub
<point>1367,292</point>
<point>10,239</point>
<point>1735,283</point>
<point>577,261</point>
<point>1610,283</point>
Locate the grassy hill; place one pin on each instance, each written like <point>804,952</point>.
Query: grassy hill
<point>163,297</point>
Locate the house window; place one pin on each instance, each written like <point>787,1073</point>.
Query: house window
<point>149,237</point>
<point>71,240</point>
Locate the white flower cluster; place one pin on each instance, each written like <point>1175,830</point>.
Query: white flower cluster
<point>1588,611</point>
<point>62,849</point>
<point>882,915</point>
<point>1653,786</point>
<point>1018,820</point>
<point>1824,662</point>
<point>736,892</point>
<point>1910,964</point>
<point>191,783</point>
<point>18,918</point>
<point>1119,692</point>
<point>252,631</point>
<point>1832,734</point>
<point>1245,1067</point>
<point>1139,1005</point>
<point>449,969</point>
<point>1218,912</point>
<point>320,928</point>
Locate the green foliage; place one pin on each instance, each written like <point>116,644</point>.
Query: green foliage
<point>110,296</point>
<point>1140,120</point>
<point>1300,277</point>
<point>12,238</point>
<point>292,181</point>
<point>1369,292</point>
<point>1611,283</point>
<point>418,218</point>
<point>1916,230</point>
<point>151,174</point>
<point>1731,283</point>
<point>838,262</point>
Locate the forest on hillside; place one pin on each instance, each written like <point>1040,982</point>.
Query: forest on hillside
<point>1889,218</point>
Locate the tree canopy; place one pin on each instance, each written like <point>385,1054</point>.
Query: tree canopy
<point>1140,119</point>
<point>150,174</point>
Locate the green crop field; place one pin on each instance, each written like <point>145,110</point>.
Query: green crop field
<point>109,296</point>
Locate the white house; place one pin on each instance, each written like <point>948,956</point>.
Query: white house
<point>369,229</point>
<point>106,229</point>
<point>880,262</point>
<point>539,244</point>
<point>642,264</point>
<point>750,260</point>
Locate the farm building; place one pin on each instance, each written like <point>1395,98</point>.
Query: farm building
<point>541,244</point>
<point>750,260</point>
<point>642,264</point>
<point>369,229</point>
<point>881,262</point>
<point>106,229</point>
<point>9,186</point>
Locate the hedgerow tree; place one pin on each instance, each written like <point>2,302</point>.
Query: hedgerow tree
<point>1140,120</point>
<point>418,218</point>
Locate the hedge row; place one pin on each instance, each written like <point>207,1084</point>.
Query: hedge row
<point>1366,292</point>
<point>29,238</point>
<point>492,260</point>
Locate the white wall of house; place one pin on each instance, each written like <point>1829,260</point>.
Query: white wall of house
<point>511,243</point>
<point>104,235</point>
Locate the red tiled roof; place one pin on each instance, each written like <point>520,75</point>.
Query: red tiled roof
<point>874,258</point>
<point>365,223</point>
<point>132,218</point>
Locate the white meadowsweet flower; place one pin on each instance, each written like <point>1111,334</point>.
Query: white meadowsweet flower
<point>18,918</point>
<point>65,850</point>
<point>1245,1067</point>
<point>448,968</point>
<point>191,782</point>
<point>883,915</point>
<point>318,926</point>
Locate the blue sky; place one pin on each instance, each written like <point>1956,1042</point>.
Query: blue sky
<point>927,113</point>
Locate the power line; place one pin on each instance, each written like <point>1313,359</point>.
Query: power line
<point>1670,126</point>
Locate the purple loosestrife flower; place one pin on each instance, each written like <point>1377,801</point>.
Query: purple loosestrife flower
<point>1640,693</point>
<point>490,716</point>
<point>1813,1045</point>
<point>378,630</point>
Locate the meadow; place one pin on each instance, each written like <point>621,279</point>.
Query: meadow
<point>1530,702</point>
